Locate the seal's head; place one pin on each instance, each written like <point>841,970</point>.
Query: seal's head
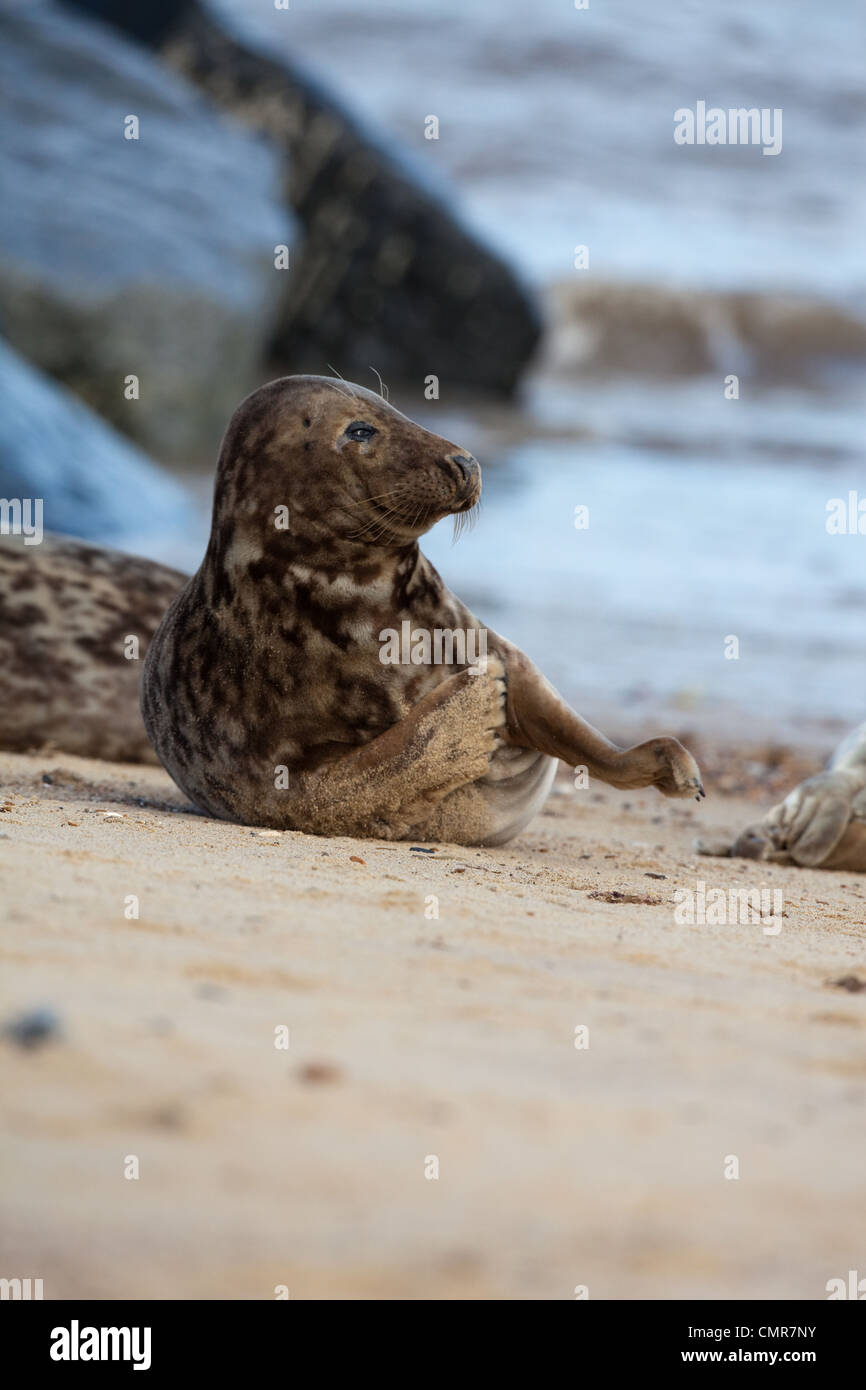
<point>345,467</point>
<point>758,841</point>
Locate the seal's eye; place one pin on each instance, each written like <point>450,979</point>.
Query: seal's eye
<point>360,432</point>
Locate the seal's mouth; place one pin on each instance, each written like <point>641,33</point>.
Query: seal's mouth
<point>393,517</point>
<point>470,502</point>
<point>406,511</point>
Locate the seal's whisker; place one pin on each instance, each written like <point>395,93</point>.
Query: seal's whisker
<point>383,390</point>
<point>361,512</point>
<point>465,521</point>
<point>384,533</point>
<point>376,496</point>
<point>390,513</point>
<point>376,527</point>
<point>348,385</point>
<point>365,532</point>
<point>383,514</point>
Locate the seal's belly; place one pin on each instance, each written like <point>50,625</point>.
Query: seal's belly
<point>514,790</point>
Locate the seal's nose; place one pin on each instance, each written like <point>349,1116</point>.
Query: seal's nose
<point>466,465</point>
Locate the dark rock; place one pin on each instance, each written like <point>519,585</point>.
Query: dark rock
<point>149,23</point>
<point>386,277</point>
<point>119,257</point>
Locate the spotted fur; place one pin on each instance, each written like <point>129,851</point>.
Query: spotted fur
<point>66,613</point>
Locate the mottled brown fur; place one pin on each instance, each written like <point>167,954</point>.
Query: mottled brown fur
<point>269,659</point>
<point>66,610</point>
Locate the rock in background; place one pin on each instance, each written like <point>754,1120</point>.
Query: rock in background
<point>151,257</point>
<point>385,276</point>
<point>93,482</point>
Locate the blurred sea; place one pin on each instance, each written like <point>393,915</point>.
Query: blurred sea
<point>707,516</point>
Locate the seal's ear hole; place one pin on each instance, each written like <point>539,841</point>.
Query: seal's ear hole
<point>306,422</point>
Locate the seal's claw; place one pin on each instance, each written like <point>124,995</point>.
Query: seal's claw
<point>678,773</point>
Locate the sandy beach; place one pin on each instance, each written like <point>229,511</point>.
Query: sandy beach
<point>244,1064</point>
<point>415,1038</point>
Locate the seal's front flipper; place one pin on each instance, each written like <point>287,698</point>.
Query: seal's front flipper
<point>391,786</point>
<point>539,718</point>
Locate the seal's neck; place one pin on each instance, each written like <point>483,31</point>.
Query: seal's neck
<point>242,559</point>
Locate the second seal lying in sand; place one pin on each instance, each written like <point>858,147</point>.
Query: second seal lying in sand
<point>264,690</point>
<point>820,825</point>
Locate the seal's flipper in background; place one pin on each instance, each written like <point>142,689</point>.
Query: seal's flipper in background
<point>812,819</point>
<point>851,753</point>
<point>820,824</point>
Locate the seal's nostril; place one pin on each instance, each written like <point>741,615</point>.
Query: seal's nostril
<point>465,463</point>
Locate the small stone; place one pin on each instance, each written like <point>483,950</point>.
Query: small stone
<point>849,982</point>
<point>319,1073</point>
<point>31,1030</point>
<point>207,990</point>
